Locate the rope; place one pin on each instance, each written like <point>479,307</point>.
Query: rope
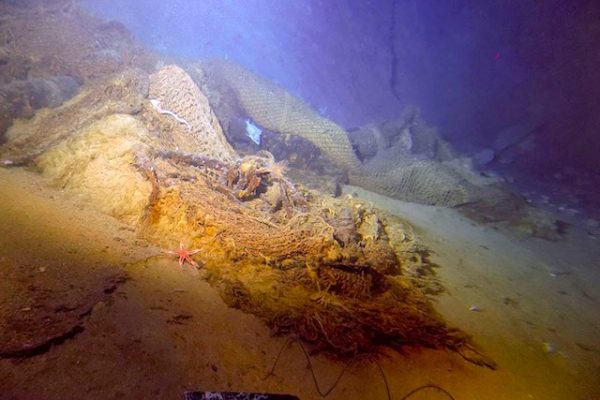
<point>325,393</point>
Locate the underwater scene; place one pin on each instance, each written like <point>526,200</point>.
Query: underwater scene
<point>299,199</point>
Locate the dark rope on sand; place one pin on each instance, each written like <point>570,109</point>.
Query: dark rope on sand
<point>343,371</point>
<point>312,371</point>
<point>441,389</point>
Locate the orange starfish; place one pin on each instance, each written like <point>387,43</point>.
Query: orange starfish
<point>184,255</point>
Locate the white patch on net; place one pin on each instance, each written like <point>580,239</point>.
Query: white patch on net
<point>156,104</point>
<point>253,132</point>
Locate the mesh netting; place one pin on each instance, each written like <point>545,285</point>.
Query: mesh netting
<point>338,274</point>
<point>428,182</point>
<point>187,119</point>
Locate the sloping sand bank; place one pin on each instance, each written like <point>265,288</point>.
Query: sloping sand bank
<point>165,330</point>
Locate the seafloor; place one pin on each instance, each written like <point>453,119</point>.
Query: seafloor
<point>92,307</point>
<point>165,330</point>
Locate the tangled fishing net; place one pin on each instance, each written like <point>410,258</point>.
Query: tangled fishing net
<point>338,274</point>
<point>147,148</point>
<point>236,91</point>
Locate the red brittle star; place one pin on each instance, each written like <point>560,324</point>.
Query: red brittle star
<point>184,255</point>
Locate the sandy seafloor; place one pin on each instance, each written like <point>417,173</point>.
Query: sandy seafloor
<point>166,330</point>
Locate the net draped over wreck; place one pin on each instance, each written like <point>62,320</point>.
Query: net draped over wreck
<point>141,142</point>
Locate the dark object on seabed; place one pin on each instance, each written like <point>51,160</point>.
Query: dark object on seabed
<point>237,396</point>
<point>20,98</point>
